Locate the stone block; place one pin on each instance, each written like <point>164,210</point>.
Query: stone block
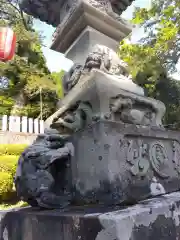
<point>98,88</point>
<point>83,45</point>
<point>156,219</point>
<point>116,163</point>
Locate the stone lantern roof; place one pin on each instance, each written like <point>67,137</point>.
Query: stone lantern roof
<point>49,10</point>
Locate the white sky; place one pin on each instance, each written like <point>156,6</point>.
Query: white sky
<point>56,61</point>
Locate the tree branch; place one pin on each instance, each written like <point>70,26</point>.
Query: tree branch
<point>12,5</point>
<point>17,9</point>
<point>23,19</point>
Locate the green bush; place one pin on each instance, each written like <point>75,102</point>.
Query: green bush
<point>9,155</point>
<point>8,163</point>
<point>6,185</point>
<point>12,149</point>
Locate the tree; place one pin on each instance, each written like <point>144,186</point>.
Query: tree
<point>162,31</point>
<point>11,11</point>
<point>153,58</point>
<point>57,76</point>
<point>29,80</point>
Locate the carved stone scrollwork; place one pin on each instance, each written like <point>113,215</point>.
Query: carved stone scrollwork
<point>158,158</point>
<point>138,158</point>
<point>176,155</point>
<point>141,155</point>
<point>137,110</point>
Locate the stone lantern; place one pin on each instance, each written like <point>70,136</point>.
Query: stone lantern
<point>113,148</point>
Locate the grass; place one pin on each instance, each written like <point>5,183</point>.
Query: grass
<point>7,206</point>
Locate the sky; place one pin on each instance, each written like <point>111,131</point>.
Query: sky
<point>55,60</point>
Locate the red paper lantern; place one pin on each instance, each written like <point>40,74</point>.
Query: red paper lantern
<point>7,44</point>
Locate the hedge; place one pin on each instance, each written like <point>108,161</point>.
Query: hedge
<point>6,185</point>
<point>12,149</point>
<point>9,155</point>
<point>8,163</point>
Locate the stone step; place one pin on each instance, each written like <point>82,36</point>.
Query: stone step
<point>157,219</point>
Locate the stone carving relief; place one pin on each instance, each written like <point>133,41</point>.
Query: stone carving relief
<point>107,60</point>
<point>75,119</point>
<point>138,158</point>
<point>159,159</point>
<point>176,155</point>
<point>113,8</point>
<point>121,109</point>
<point>136,110</point>
<point>141,156</point>
<point>102,58</point>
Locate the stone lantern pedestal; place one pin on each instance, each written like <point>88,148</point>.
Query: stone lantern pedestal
<point>120,167</point>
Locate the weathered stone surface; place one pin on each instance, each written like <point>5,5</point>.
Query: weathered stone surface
<point>111,97</point>
<point>48,10</point>
<point>122,152</point>
<point>42,177</point>
<point>82,15</point>
<point>102,108</point>
<point>84,44</point>
<point>115,163</point>
<point>100,58</point>
<point>156,219</point>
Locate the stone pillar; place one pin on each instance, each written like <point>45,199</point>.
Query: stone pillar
<point>92,24</point>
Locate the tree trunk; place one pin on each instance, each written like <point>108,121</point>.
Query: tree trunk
<point>20,102</point>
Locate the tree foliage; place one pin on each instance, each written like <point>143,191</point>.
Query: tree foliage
<point>26,78</point>
<point>153,58</point>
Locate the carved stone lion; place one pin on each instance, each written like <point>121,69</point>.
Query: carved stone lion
<point>102,58</point>
<point>41,174</point>
<point>107,60</point>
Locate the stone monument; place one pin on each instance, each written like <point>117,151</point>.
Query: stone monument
<point>106,146</point>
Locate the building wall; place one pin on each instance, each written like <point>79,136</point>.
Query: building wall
<point>16,138</point>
